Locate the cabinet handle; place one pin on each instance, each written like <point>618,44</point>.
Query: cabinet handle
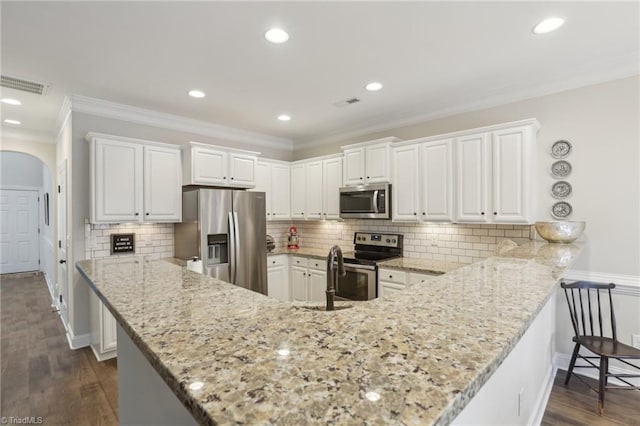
<point>62,261</point>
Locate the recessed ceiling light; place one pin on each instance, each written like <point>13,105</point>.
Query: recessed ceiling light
<point>12,121</point>
<point>276,35</point>
<point>548,25</point>
<point>10,101</point>
<point>284,117</point>
<point>197,93</point>
<point>373,86</point>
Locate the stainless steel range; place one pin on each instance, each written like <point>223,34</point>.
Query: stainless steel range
<point>361,265</point>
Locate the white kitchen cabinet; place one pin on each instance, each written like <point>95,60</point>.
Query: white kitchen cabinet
<point>331,182</point>
<point>299,285</point>
<point>368,162</point>
<point>134,180</point>
<point>218,166</point>
<point>274,180</point>
<point>162,185</point>
<point>388,289</point>
<point>472,168</point>
<point>313,190</point>
<point>104,342</point>
<point>391,282</point>
<point>494,175</point>
<point>418,278</point>
<point>278,277</point>
<point>298,191</point>
<point>317,285</point>
<point>436,181</point>
<point>405,197</point>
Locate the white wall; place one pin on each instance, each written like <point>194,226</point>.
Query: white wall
<point>601,122</point>
<point>18,169</point>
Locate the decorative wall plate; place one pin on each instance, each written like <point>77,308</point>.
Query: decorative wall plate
<point>560,149</point>
<point>561,189</point>
<point>561,169</point>
<point>561,210</point>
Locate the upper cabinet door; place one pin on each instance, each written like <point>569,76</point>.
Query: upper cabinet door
<point>377,163</point>
<point>162,185</point>
<point>472,163</point>
<point>313,191</point>
<point>332,181</point>
<point>117,175</point>
<point>354,167</point>
<point>209,166</point>
<point>405,194</point>
<point>298,191</point>
<point>436,189</point>
<point>280,192</point>
<point>263,183</point>
<point>242,170</point>
<point>512,175</point>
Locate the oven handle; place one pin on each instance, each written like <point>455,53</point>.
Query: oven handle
<point>353,267</point>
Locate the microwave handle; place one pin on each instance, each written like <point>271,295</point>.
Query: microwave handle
<point>375,201</point>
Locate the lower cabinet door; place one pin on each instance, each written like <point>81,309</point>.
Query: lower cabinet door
<point>277,282</point>
<point>387,289</point>
<point>317,285</point>
<point>299,283</point>
<point>109,340</point>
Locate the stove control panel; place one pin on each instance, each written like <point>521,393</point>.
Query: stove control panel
<point>374,239</point>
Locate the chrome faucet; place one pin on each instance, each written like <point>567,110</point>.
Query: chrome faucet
<point>335,253</point>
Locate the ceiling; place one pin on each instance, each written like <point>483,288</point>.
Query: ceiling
<point>432,57</point>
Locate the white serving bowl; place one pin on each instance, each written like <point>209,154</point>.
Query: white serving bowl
<point>560,232</point>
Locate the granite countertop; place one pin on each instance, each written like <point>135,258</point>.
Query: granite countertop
<point>303,251</point>
<point>420,265</point>
<point>416,358</point>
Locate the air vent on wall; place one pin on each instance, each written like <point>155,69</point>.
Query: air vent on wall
<point>346,102</point>
<point>24,85</point>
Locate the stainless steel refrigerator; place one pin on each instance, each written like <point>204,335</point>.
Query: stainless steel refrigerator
<point>227,229</point>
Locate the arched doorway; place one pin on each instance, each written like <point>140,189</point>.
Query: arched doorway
<point>27,211</point>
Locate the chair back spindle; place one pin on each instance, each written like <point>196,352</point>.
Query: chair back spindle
<point>583,310</point>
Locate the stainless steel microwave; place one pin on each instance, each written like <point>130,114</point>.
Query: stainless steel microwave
<point>366,202</point>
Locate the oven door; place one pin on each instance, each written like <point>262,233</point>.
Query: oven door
<point>360,283</point>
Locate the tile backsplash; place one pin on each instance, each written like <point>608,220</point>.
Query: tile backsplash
<point>153,239</point>
<point>452,242</point>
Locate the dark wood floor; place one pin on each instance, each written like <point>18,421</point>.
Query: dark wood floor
<point>41,376</point>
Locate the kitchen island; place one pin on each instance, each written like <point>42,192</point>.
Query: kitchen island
<point>233,356</point>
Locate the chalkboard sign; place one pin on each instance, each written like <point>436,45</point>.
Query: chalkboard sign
<point>122,243</point>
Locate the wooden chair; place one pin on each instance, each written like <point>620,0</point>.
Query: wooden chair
<point>585,301</point>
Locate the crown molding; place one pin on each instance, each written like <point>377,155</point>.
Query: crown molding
<point>167,121</point>
<point>26,135</point>
<point>501,96</point>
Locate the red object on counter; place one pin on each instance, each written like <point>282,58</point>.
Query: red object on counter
<point>292,240</point>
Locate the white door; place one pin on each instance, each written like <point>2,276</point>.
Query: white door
<point>242,170</point>
<point>472,166</point>
<point>405,183</point>
<point>209,166</point>
<point>436,189</point>
<point>313,193</point>
<point>263,184</point>
<point>354,166</point>
<point>118,181</point>
<point>277,282</point>
<point>511,176</point>
<point>162,185</point>
<point>62,275</point>
<point>298,191</point>
<point>332,181</point>
<point>377,163</point>
<point>280,192</point>
<point>317,285</point>
<point>299,283</point>
<point>19,239</point>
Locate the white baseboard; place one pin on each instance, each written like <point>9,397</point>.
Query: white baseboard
<point>105,356</point>
<point>625,284</point>
<point>77,342</point>
<point>543,398</point>
<point>561,361</point>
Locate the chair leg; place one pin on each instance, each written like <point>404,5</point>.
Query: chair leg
<point>604,367</point>
<point>576,349</point>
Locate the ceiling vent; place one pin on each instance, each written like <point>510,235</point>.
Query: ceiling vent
<point>24,85</point>
<point>346,102</point>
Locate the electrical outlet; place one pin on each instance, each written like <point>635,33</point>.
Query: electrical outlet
<point>635,340</point>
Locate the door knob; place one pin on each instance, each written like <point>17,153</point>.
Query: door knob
<point>62,261</point>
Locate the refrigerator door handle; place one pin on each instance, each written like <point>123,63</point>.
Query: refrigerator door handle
<point>236,246</point>
<point>232,251</point>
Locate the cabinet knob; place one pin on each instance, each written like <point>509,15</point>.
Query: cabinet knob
<point>414,213</point>
<point>390,276</point>
<point>62,261</point>
<point>302,213</point>
<point>368,177</point>
<point>273,261</point>
<point>231,178</point>
<point>224,177</point>
<point>360,178</point>
<point>482,213</point>
<point>423,214</point>
<point>146,214</point>
<point>495,213</point>
<point>268,214</point>
<point>137,214</point>
<point>320,214</point>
